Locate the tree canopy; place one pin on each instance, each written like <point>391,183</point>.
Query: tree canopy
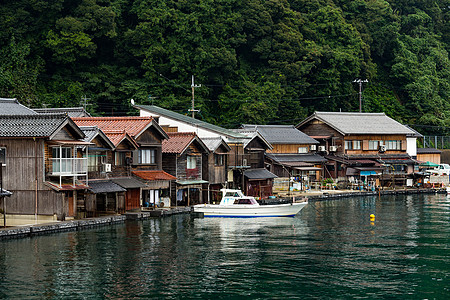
<point>258,61</point>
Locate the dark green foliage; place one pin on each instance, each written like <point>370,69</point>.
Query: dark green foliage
<point>259,61</point>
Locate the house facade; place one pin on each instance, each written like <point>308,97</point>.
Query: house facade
<point>45,165</point>
<point>371,146</point>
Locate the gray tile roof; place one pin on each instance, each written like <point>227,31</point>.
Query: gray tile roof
<point>30,125</point>
<point>73,112</point>
<point>188,120</point>
<point>10,106</point>
<point>281,134</point>
<point>104,186</point>
<point>91,132</point>
<point>428,151</point>
<point>289,158</point>
<point>213,143</point>
<point>259,174</point>
<point>360,123</point>
<point>128,182</point>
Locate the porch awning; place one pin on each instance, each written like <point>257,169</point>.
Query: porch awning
<point>259,174</point>
<point>74,142</point>
<point>66,186</point>
<point>190,182</point>
<point>128,182</point>
<point>367,173</point>
<point>103,186</point>
<point>307,168</point>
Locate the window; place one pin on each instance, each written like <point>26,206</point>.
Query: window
<point>218,159</point>
<point>2,156</point>
<point>302,149</point>
<point>120,158</point>
<point>191,162</point>
<point>62,162</point>
<point>353,145</point>
<point>373,145</point>
<point>147,156</point>
<point>393,145</point>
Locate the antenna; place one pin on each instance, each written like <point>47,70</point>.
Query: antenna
<point>84,102</point>
<point>193,86</point>
<point>151,98</point>
<point>360,81</point>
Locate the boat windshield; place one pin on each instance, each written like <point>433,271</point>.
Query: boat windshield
<point>233,194</point>
<point>243,201</point>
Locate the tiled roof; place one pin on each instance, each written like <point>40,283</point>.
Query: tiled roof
<point>10,106</point>
<point>285,158</point>
<point>213,143</point>
<point>31,125</point>
<point>281,134</point>
<point>360,123</point>
<point>117,137</point>
<point>188,120</point>
<point>259,174</point>
<point>428,151</point>
<point>131,125</point>
<point>104,186</point>
<point>92,132</point>
<point>154,175</point>
<point>128,182</point>
<point>177,142</point>
<point>73,112</point>
<point>250,135</point>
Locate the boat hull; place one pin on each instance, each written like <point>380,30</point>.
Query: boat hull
<point>249,211</point>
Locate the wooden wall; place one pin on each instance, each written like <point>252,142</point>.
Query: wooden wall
<point>286,148</point>
<point>23,156</point>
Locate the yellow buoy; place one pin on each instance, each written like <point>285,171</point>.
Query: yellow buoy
<point>372,217</point>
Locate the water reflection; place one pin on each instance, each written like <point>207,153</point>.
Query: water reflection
<point>331,249</point>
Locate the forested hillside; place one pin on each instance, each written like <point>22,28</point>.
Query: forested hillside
<point>258,61</point>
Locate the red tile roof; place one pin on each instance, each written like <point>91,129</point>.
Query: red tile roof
<point>154,175</point>
<point>177,142</point>
<point>131,125</point>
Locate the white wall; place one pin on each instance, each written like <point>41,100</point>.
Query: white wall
<point>411,146</point>
<point>182,126</point>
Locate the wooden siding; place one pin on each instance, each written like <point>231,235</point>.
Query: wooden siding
<point>63,135</point>
<point>23,158</point>
<point>286,148</point>
<point>318,128</point>
<point>432,157</point>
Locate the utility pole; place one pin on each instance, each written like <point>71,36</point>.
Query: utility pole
<point>84,102</point>
<point>360,81</point>
<point>193,86</point>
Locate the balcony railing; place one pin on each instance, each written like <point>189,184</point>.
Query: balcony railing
<point>69,166</point>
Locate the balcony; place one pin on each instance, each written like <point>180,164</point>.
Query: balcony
<point>69,166</point>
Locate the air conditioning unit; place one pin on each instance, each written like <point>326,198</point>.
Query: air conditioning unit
<point>312,147</point>
<point>382,148</point>
<point>322,148</point>
<point>333,148</point>
<point>107,168</point>
<point>244,162</point>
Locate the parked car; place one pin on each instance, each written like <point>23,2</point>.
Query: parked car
<point>442,169</point>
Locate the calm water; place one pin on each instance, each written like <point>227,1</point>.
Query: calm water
<point>330,250</point>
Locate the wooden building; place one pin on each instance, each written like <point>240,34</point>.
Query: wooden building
<point>183,155</point>
<point>44,165</point>
<point>137,147</point>
<point>367,146</point>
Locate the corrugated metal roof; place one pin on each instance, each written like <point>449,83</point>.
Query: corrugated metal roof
<point>73,112</point>
<point>259,174</point>
<point>10,106</point>
<point>281,134</point>
<point>153,175</point>
<point>104,186</point>
<point>188,120</point>
<point>30,125</point>
<point>360,123</point>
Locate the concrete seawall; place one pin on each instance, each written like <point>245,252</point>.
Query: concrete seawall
<point>74,225</point>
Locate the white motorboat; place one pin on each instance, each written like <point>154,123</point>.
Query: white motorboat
<point>235,205</point>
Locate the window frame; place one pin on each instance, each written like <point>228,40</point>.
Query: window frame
<point>191,162</point>
<point>147,156</point>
